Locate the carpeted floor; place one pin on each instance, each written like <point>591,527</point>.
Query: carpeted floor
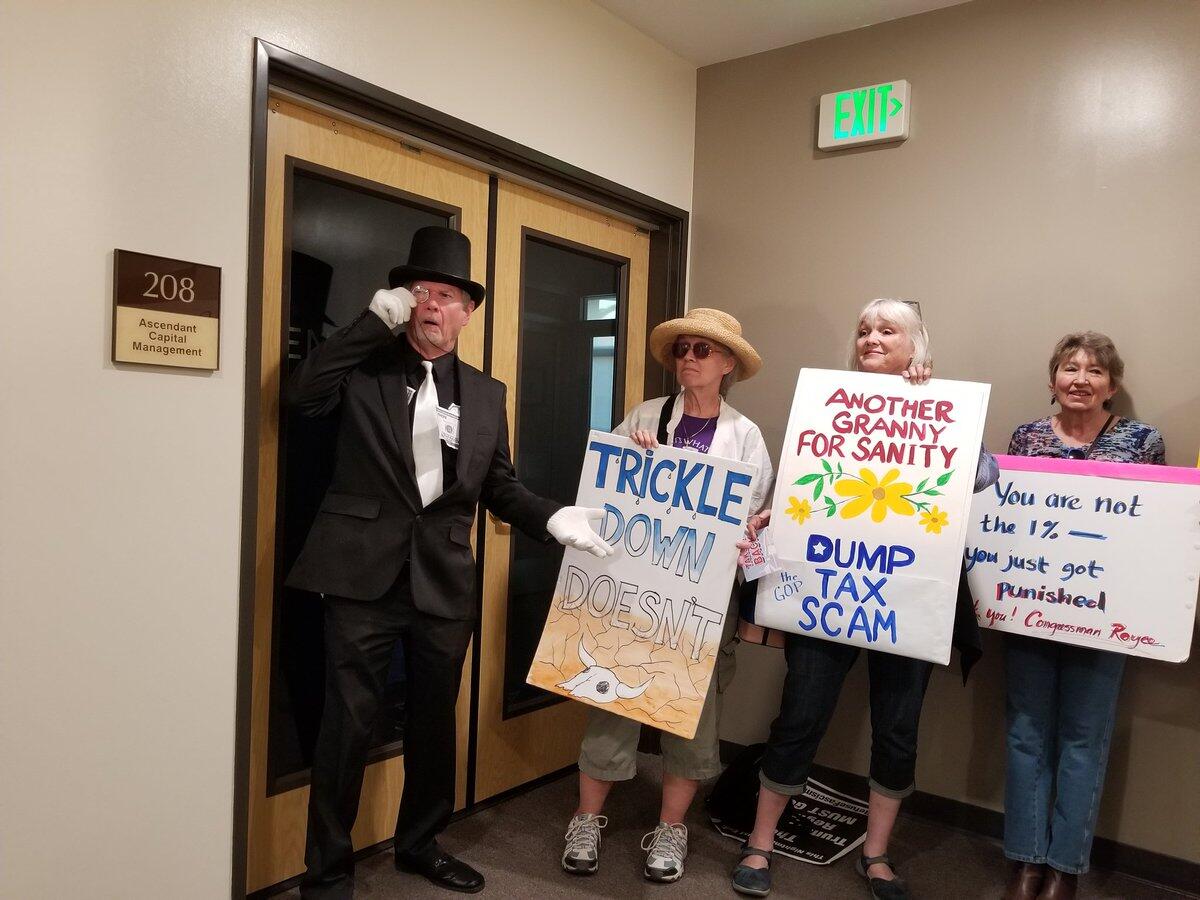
<point>516,845</point>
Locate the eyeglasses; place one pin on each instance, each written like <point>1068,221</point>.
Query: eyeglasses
<point>700,349</point>
<point>442,297</point>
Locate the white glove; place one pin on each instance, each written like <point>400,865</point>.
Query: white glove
<point>570,527</point>
<point>394,307</point>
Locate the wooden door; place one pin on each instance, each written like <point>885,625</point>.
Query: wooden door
<point>568,338</point>
<point>341,203</point>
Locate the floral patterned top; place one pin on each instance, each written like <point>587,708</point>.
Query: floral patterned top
<point>1126,440</point>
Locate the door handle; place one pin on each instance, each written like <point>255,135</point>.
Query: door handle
<point>500,526</point>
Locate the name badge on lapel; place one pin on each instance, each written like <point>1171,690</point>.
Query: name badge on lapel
<point>448,425</point>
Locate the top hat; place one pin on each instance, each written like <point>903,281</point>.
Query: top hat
<point>438,254</point>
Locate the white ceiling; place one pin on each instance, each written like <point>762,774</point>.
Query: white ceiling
<point>709,31</point>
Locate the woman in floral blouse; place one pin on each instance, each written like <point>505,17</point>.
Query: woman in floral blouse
<point>1062,699</point>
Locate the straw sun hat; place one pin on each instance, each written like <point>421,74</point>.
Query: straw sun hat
<point>708,323</point>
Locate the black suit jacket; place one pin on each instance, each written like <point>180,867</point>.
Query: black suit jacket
<point>371,521</point>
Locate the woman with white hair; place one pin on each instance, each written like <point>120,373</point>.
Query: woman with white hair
<point>890,339</point>
<point>706,352</point>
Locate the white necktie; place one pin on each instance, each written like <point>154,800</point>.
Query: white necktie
<point>426,443</point>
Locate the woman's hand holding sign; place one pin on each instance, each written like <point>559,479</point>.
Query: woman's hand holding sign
<point>753,525</point>
<point>917,373</point>
<point>644,439</point>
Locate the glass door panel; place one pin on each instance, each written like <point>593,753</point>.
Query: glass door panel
<point>567,346</point>
<point>344,236</point>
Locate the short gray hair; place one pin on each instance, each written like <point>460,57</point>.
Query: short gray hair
<point>729,379</point>
<point>899,313</point>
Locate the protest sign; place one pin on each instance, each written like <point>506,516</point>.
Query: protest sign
<point>870,511</point>
<point>818,826</point>
<point>1098,554</point>
<point>637,634</point>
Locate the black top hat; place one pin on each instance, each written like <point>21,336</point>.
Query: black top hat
<point>439,254</point>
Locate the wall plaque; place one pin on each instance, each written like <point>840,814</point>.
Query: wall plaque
<point>166,312</point>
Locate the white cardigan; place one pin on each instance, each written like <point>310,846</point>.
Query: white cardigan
<point>736,438</point>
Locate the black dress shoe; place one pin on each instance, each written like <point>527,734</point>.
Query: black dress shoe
<point>442,869</point>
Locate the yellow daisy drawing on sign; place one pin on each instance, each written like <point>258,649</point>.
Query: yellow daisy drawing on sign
<point>880,495</point>
<point>865,491</point>
<point>935,520</point>
<point>799,509</point>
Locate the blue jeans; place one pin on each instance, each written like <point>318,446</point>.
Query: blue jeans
<point>1062,703</point>
<point>816,670</point>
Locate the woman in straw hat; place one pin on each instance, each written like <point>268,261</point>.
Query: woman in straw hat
<point>706,351</point>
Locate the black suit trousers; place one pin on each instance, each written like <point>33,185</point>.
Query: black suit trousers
<point>360,638</point>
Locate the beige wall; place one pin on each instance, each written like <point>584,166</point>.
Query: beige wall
<point>1051,182</point>
<point>127,125</point>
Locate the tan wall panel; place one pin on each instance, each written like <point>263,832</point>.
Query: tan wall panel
<point>1051,183</point>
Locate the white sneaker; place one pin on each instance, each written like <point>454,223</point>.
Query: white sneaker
<point>582,853</point>
<point>666,849</point>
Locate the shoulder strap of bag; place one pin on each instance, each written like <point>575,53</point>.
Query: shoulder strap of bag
<point>1096,439</point>
<point>665,417</point>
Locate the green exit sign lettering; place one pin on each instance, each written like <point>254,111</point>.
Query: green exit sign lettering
<point>866,115</point>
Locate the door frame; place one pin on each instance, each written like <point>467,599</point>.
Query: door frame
<point>279,68</point>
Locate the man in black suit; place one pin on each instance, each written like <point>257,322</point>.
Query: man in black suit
<point>423,440</point>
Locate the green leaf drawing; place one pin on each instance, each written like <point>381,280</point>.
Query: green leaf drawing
<point>933,493</point>
<point>820,485</point>
<point>941,482</point>
<point>828,467</point>
<point>830,508</point>
<point>839,470</point>
<point>921,486</point>
<point>809,479</point>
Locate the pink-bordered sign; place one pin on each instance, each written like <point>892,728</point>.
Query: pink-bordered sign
<point>1098,554</point>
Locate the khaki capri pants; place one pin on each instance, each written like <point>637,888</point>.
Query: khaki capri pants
<point>609,748</point>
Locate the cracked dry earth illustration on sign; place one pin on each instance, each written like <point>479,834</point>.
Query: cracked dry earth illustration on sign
<point>584,658</point>
<point>637,633</point>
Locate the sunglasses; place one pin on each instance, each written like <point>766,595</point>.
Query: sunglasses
<point>700,349</point>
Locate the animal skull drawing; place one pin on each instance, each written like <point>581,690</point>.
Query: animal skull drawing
<point>598,684</point>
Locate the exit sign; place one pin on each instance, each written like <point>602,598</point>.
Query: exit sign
<point>866,115</point>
